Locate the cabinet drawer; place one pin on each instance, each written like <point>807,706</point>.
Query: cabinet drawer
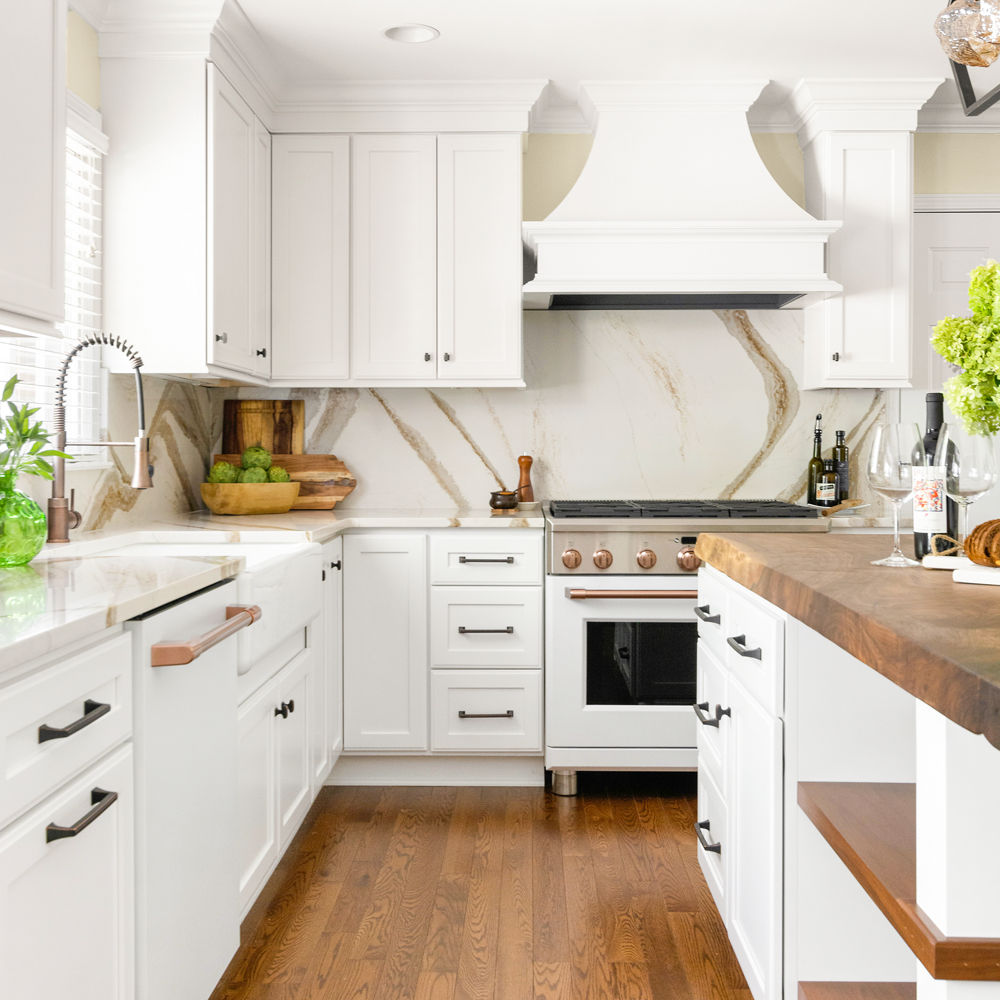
<point>755,650</point>
<point>67,698</point>
<point>486,627</point>
<point>486,710</point>
<point>713,714</point>
<point>712,612</point>
<point>712,823</point>
<point>502,556</point>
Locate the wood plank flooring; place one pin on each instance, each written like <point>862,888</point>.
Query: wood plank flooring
<point>491,894</point>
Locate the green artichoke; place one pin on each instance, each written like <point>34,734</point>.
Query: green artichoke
<point>256,457</point>
<point>222,472</point>
<point>276,474</point>
<point>253,476</point>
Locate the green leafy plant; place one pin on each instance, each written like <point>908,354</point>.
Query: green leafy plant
<point>973,344</point>
<point>23,450</point>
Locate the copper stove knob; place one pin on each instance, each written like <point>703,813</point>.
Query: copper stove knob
<point>571,559</point>
<point>687,560</point>
<point>603,558</point>
<point>646,559</point>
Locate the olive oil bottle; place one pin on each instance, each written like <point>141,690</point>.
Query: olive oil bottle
<point>841,464</point>
<point>816,462</point>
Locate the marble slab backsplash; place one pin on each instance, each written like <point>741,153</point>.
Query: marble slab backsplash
<point>618,405</point>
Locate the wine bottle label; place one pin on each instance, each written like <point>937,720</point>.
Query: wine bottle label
<point>929,515</point>
<point>826,491</point>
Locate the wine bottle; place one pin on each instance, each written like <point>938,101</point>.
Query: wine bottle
<point>932,514</point>
<point>826,485</point>
<point>840,463</point>
<point>816,462</point>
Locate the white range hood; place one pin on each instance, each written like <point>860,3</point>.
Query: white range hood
<point>675,210</point>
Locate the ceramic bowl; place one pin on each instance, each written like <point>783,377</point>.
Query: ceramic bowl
<point>503,499</point>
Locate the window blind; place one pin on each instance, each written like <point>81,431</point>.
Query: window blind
<point>37,360</point>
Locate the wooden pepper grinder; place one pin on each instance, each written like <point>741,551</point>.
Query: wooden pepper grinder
<point>524,490</point>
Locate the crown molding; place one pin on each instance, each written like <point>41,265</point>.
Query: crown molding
<point>859,105</point>
<point>92,11</point>
<point>550,115</point>
<point>410,106</point>
<point>133,28</point>
<point>239,51</point>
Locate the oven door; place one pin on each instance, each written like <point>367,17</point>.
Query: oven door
<point>620,662</point>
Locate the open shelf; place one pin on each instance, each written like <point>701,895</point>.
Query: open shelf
<point>857,991</point>
<point>872,828</point>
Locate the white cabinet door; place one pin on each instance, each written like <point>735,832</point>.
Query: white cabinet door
<point>385,642</point>
<point>291,745</point>
<point>479,257</point>
<point>393,257</point>
<point>231,206</point>
<point>311,259</point>
<point>32,169</point>
<point>754,842</point>
<point>260,253</point>
<point>327,739</point>
<point>258,821</point>
<point>66,905</point>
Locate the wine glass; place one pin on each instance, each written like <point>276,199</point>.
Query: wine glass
<point>970,470</point>
<point>895,450</point>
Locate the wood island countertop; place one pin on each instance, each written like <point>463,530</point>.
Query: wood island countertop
<point>937,639</point>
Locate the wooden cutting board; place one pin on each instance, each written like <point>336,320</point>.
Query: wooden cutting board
<point>324,478</point>
<point>277,424</point>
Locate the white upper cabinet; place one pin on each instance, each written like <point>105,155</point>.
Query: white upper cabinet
<point>394,267</point>
<point>187,219</point>
<point>479,257</point>
<point>311,209</point>
<point>32,170</point>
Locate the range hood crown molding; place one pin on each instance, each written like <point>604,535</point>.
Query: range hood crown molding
<point>674,203</point>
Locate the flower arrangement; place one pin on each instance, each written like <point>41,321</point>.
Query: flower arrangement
<point>972,343</point>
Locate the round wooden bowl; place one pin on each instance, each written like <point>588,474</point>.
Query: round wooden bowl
<point>249,498</point>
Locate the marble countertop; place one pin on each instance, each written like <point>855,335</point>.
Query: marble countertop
<point>78,589</point>
<point>937,639</point>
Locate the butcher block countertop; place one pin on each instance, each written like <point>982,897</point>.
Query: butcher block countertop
<point>937,639</point>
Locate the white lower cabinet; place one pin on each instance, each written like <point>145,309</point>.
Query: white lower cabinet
<point>66,905</point>
<point>740,771</point>
<point>274,771</point>
<point>486,710</point>
<point>327,734</point>
<point>385,642</point>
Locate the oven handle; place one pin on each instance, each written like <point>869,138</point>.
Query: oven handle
<point>629,595</point>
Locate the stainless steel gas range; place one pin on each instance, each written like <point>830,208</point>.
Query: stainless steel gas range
<point>620,652</point>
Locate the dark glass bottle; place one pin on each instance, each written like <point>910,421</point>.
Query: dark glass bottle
<point>826,485</point>
<point>840,463</point>
<point>815,467</point>
<point>932,513</point>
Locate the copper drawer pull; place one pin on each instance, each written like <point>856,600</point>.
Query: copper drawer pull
<point>628,595</point>
<point>175,654</point>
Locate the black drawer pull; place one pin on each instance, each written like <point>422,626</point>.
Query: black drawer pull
<point>704,612</point>
<point>287,707</point>
<point>706,720</point>
<point>462,630</point>
<point>473,559</point>
<point>99,799</point>
<point>92,711</point>
<point>739,643</point>
<point>706,826</point>
<point>509,714</point>
<point>720,712</point>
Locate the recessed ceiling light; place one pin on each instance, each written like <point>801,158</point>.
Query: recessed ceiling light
<point>411,33</point>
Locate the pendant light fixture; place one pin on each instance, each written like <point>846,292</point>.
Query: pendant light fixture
<point>969,33</point>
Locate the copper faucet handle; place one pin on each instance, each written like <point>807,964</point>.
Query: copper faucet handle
<point>73,516</point>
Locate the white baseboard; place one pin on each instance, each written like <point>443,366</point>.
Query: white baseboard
<point>437,770</point>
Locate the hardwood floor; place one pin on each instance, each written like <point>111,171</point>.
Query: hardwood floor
<point>491,894</point>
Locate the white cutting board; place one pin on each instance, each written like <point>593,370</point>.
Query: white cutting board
<point>978,574</point>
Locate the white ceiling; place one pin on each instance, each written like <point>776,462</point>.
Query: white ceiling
<point>571,40</point>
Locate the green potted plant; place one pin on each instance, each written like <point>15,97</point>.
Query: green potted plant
<point>972,344</point>
<point>22,452</point>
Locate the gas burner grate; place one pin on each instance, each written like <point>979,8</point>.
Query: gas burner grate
<point>702,509</point>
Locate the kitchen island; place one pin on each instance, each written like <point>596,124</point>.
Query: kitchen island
<point>876,865</point>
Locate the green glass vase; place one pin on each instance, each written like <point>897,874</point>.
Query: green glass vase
<point>22,526</point>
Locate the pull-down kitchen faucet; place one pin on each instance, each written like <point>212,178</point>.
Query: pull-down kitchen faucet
<point>61,515</point>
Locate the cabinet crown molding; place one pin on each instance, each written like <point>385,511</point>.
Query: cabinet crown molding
<point>859,105</point>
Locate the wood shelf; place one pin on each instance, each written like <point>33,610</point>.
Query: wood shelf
<point>857,991</point>
<point>872,828</point>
